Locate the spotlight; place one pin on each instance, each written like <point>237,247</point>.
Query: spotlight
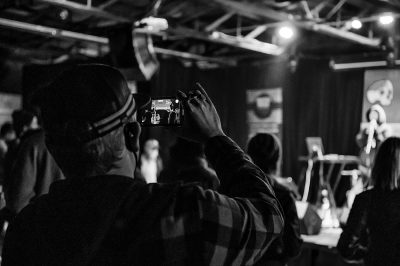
<point>356,24</point>
<point>64,14</point>
<point>286,32</point>
<point>386,19</point>
<point>152,23</point>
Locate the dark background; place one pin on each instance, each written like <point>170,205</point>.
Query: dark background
<point>317,101</point>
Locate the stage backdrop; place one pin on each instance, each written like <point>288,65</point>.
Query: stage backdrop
<point>383,87</point>
<point>315,102</point>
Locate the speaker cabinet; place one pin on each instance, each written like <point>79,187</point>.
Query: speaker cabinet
<point>132,53</point>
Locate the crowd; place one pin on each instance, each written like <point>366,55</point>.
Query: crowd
<point>80,190</point>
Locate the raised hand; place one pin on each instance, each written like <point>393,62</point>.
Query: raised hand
<point>201,118</point>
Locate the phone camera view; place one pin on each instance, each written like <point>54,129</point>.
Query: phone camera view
<point>162,112</point>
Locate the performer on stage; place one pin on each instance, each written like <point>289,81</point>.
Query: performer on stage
<point>369,138</point>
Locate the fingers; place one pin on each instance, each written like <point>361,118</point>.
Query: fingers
<point>183,98</point>
<point>195,94</point>
<point>181,95</point>
<point>202,90</point>
<point>195,101</point>
<point>199,95</point>
<point>191,103</point>
<point>195,97</point>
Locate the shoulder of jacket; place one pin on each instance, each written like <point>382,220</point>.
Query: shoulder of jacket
<point>365,195</point>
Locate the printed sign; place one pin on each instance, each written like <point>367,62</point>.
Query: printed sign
<point>264,111</point>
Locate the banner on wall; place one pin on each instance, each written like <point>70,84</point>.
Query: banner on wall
<point>382,87</point>
<point>8,103</point>
<point>264,111</point>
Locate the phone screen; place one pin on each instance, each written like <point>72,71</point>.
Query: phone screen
<point>162,112</point>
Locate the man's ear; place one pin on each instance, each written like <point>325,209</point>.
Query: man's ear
<point>132,133</point>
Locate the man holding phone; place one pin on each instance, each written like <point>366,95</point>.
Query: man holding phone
<point>101,215</point>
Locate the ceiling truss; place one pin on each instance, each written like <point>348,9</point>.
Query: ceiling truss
<point>243,26</point>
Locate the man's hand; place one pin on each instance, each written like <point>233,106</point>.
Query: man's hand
<point>201,118</point>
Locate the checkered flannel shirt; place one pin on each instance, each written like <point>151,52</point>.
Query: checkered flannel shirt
<point>233,227</point>
<point>154,224</point>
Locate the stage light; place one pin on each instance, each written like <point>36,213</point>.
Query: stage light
<point>152,23</point>
<point>64,14</point>
<point>286,32</point>
<point>386,19</point>
<point>356,24</point>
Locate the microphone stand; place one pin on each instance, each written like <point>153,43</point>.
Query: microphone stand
<point>371,131</point>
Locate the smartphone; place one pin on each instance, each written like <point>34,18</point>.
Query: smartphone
<point>167,111</point>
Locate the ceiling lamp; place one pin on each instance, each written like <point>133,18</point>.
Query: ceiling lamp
<point>356,24</point>
<point>386,19</point>
<point>286,32</point>
<point>152,23</point>
<point>64,14</point>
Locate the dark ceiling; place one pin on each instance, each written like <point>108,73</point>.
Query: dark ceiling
<point>40,30</point>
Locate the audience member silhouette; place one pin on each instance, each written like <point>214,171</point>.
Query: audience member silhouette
<point>150,164</point>
<point>265,151</point>
<point>33,168</point>
<point>371,234</point>
<point>24,122</point>
<point>188,163</point>
<point>7,137</point>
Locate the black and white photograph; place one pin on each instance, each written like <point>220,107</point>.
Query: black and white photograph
<point>199,132</point>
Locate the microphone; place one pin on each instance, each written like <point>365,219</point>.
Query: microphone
<point>375,117</point>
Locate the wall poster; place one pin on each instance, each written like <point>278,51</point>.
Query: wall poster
<point>8,103</point>
<point>264,111</point>
<point>382,87</point>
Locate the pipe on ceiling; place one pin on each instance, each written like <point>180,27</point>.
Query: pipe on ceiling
<point>358,65</point>
<point>52,32</point>
<point>64,34</point>
<point>253,11</point>
<point>88,8</point>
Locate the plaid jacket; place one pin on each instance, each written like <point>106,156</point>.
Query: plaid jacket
<point>113,220</point>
